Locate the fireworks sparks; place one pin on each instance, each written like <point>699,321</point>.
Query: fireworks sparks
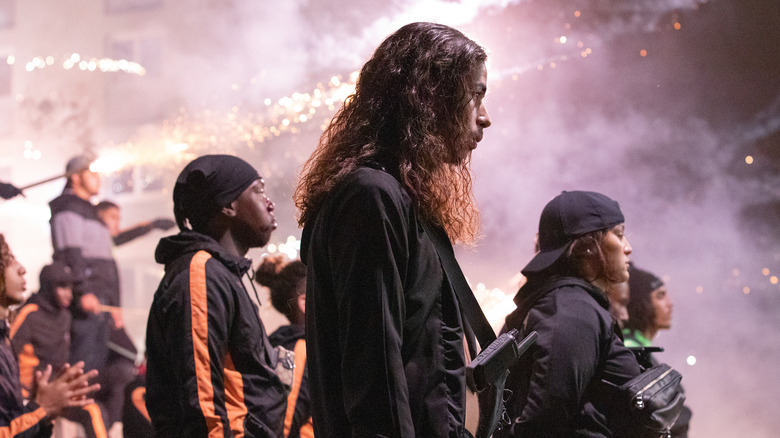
<point>190,134</point>
<point>75,61</point>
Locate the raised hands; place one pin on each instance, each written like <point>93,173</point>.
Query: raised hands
<point>69,389</point>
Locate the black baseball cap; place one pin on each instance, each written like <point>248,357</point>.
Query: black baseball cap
<point>567,217</point>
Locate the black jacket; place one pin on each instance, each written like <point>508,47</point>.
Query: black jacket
<point>208,357</point>
<point>383,328</point>
<point>297,420</point>
<point>40,335</point>
<point>555,389</point>
<point>16,418</point>
<point>82,241</point>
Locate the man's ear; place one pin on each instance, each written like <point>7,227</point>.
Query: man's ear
<point>229,210</point>
<point>76,178</point>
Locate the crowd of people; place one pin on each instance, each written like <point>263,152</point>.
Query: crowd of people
<point>379,337</point>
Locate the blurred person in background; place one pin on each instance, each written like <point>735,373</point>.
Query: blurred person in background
<point>47,397</point>
<point>40,337</point>
<point>83,243</point>
<point>650,311</point>
<point>286,279</point>
<point>111,215</point>
<point>121,367</point>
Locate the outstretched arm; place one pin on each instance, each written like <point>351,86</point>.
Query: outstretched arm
<point>143,229</point>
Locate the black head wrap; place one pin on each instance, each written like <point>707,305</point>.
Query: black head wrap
<point>206,185</point>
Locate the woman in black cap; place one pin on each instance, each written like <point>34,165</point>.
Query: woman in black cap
<point>582,251</point>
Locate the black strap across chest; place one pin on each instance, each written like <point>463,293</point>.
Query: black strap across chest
<point>466,299</point>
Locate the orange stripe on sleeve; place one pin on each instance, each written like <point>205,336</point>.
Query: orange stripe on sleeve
<point>234,398</point>
<point>139,401</point>
<point>26,310</point>
<point>22,423</point>
<point>97,420</point>
<point>307,430</point>
<point>27,363</point>
<point>200,342</point>
<point>292,398</point>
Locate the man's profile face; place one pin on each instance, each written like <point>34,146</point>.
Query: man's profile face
<point>64,294</point>
<point>255,219</point>
<point>478,115</point>
<point>89,182</point>
<point>477,118</point>
<point>14,284</point>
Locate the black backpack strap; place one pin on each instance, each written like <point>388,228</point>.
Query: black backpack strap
<point>466,299</point>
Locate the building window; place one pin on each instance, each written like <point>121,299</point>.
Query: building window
<point>7,12</point>
<point>123,6</point>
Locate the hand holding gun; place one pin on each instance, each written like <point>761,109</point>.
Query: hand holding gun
<point>487,374</point>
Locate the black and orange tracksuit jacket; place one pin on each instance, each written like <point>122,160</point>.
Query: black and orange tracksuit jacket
<point>297,419</point>
<point>209,367</point>
<point>40,336</point>
<point>16,418</point>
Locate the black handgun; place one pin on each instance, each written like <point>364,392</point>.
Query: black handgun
<point>487,374</point>
<point>499,356</point>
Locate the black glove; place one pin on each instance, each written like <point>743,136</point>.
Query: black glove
<point>8,191</point>
<point>163,224</point>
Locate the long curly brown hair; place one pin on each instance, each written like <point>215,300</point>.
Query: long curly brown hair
<point>408,112</point>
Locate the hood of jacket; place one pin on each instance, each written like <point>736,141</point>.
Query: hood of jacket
<point>533,290</point>
<point>189,242</point>
<point>46,297</point>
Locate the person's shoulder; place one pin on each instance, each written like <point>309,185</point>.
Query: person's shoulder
<point>575,300</point>
<point>68,202</point>
<point>369,178</point>
<point>201,262</point>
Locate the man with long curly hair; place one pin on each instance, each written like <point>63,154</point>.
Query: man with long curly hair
<point>384,328</point>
